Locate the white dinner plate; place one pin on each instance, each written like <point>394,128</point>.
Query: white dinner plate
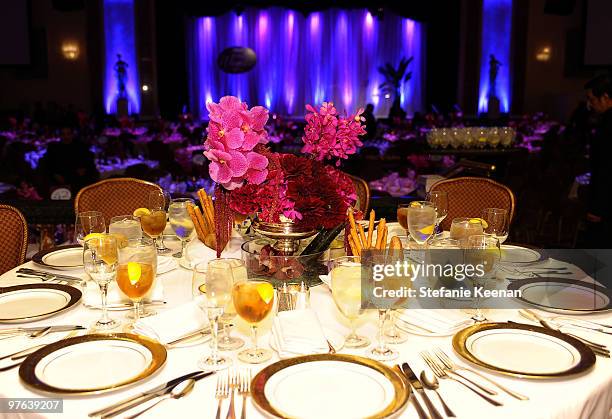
<point>329,386</point>
<point>92,363</point>
<point>512,254</point>
<point>562,295</point>
<point>62,257</point>
<point>31,302</point>
<point>525,350</point>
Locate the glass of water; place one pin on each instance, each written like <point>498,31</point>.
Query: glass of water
<point>181,223</point>
<point>126,225</point>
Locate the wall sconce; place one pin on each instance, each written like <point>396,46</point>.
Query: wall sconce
<point>70,50</point>
<point>543,54</point>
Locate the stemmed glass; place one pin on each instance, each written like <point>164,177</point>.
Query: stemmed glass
<point>227,341</point>
<point>482,250</point>
<point>136,271</point>
<point>346,290</point>
<point>439,199</point>
<point>496,220</point>
<point>421,221</point>
<point>253,300</point>
<point>181,223</point>
<point>154,223</point>
<point>100,262</point>
<point>218,282</point>
<point>88,222</point>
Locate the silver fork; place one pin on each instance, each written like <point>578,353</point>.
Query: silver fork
<point>221,392</point>
<point>441,372</point>
<point>232,377</point>
<point>245,390</point>
<point>449,366</point>
<point>454,367</point>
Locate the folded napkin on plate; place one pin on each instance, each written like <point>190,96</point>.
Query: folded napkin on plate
<point>298,332</point>
<point>166,264</point>
<point>91,296</point>
<point>172,324</point>
<point>435,321</point>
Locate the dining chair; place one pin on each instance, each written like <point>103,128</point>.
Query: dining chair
<point>362,189</point>
<point>468,196</point>
<point>14,232</point>
<point>114,197</point>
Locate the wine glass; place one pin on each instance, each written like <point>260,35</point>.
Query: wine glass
<point>136,272</point>
<point>218,288</point>
<point>346,290</point>
<point>227,342</point>
<point>496,220</point>
<point>402,216</point>
<point>439,199</point>
<point>253,300</point>
<point>421,221</point>
<point>462,228</point>
<point>181,223</point>
<point>100,263</point>
<point>88,222</point>
<point>481,250</point>
<point>127,226</point>
<point>154,223</point>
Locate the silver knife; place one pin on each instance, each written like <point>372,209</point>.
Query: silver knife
<point>48,274</point>
<point>157,391</point>
<point>52,329</point>
<point>418,387</point>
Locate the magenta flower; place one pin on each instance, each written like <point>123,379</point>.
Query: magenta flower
<point>234,131</point>
<point>329,136</point>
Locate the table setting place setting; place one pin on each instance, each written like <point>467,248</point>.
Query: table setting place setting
<point>268,322</point>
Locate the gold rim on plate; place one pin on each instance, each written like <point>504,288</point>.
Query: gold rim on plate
<point>74,293</point>
<point>28,367</point>
<point>586,362</point>
<point>400,386</point>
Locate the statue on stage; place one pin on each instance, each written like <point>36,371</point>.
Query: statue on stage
<point>494,65</point>
<point>121,75</point>
<point>493,105</point>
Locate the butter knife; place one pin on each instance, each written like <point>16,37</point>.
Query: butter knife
<point>418,387</point>
<point>52,329</point>
<point>157,391</point>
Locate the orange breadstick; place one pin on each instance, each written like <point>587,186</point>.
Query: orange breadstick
<point>354,248</point>
<point>380,233</point>
<point>196,222</point>
<point>362,236</point>
<point>371,228</point>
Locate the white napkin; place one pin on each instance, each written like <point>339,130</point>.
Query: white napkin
<point>298,332</point>
<point>166,264</point>
<point>435,320</point>
<point>172,324</point>
<point>199,253</point>
<point>92,297</point>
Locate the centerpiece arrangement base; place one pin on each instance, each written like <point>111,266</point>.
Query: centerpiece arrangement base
<point>286,234</point>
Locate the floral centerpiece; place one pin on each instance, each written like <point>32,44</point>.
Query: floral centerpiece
<point>301,191</point>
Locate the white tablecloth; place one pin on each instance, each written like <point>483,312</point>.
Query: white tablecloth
<point>588,396</point>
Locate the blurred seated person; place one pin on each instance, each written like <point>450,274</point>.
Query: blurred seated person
<point>370,122</point>
<point>599,207</point>
<point>69,162</point>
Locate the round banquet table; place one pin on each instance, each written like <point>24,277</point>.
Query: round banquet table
<point>584,396</point>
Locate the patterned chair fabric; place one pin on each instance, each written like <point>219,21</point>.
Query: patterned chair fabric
<point>363,194</point>
<point>468,196</point>
<point>14,231</point>
<point>113,197</point>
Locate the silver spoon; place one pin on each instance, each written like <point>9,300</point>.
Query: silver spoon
<point>431,383</point>
<point>182,389</point>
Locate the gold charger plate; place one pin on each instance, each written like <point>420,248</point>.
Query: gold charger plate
<point>34,363</point>
<point>395,378</point>
<point>585,362</point>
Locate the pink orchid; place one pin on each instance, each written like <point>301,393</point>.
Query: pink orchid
<point>234,131</point>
